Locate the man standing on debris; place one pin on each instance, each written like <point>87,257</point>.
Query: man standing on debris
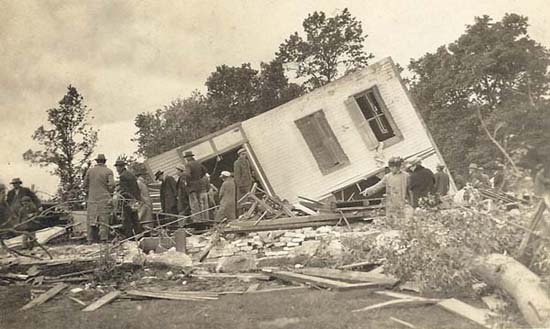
<point>16,194</point>
<point>477,178</point>
<point>168,193</point>
<point>244,177</point>
<point>129,190</point>
<point>5,211</point>
<point>194,172</point>
<point>441,181</point>
<point>99,183</point>
<point>227,198</point>
<point>181,192</point>
<point>396,184</point>
<point>421,181</point>
<point>145,212</point>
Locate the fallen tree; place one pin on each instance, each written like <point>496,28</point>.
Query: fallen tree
<point>519,282</point>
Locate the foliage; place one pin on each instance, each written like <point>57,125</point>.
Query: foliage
<point>234,94</point>
<point>67,143</point>
<point>434,248</point>
<point>331,44</point>
<point>494,67</point>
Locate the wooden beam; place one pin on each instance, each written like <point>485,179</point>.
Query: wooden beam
<point>406,324</point>
<point>478,315</point>
<point>171,296</point>
<point>45,296</point>
<point>353,276</point>
<point>319,282</point>
<point>106,299</point>
<point>416,302</point>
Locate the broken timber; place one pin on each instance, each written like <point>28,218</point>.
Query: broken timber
<point>184,296</point>
<point>45,296</point>
<point>478,315</point>
<point>102,301</point>
<point>294,222</point>
<point>319,282</point>
<point>414,301</point>
<point>353,276</point>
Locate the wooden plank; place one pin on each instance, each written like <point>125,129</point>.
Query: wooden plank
<point>240,276</point>
<point>45,296</point>
<point>170,296</point>
<point>353,276</point>
<point>354,265</point>
<point>263,204</point>
<point>398,295</point>
<point>406,324</point>
<point>477,315</point>
<point>301,278</point>
<point>253,287</point>
<point>213,240</point>
<point>416,302</point>
<point>76,300</point>
<point>106,299</point>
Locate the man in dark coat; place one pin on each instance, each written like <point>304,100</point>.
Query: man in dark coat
<point>181,189</point>
<point>16,194</point>
<point>194,172</point>
<point>129,190</point>
<point>168,193</point>
<point>441,181</point>
<point>5,210</point>
<point>421,181</point>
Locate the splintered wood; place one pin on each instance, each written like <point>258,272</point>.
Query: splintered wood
<point>45,296</point>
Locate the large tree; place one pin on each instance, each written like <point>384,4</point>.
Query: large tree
<point>67,143</point>
<point>332,45</point>
<point>234,94</point>
<point>485,93</point>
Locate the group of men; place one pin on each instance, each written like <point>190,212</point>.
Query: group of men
<point>410,183</point>
<point>193,195</point>
<point>131,195</point>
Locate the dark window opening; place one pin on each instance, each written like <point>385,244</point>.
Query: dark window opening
<point>374,112</point>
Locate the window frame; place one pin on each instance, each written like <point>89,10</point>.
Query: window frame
<point>385,112</point>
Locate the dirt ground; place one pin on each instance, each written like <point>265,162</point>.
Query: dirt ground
<point>298,309</point>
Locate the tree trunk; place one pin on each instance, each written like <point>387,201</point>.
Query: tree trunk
<point>519,282</point>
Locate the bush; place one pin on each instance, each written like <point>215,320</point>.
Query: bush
<point>434,247</point>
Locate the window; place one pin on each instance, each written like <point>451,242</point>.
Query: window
<point>373,119</point>
<point>322,142</point>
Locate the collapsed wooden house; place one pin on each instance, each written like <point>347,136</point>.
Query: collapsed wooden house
<point>332,141</point>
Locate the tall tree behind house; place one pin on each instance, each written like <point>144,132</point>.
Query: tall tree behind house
<point>496,68</point>
<point>67,143</point>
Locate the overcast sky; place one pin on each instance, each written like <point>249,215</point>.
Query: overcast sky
<point>127,57</point>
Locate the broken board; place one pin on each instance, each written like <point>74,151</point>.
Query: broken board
<point>478,315</point>
<point>42,236</point>
<point>354,276</point>
<point>45,296</point>
<point>102,301</point>
<point>319,282</point>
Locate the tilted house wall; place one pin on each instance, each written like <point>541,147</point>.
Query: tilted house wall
<point>321,142</point>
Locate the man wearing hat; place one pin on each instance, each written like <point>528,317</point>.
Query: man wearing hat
<point>145,211</point>
<point>16,195</point>
<point>421,183</point>
<point>396,184</point>
<point>477,178</point>
<point>129,190</point>
<point>168,193</point>
<point>194,172</point>
<point>244,177</point>
<point>227,207</point>
<point>441,181</point>
<point>99,184</point>
<point>181,191</point>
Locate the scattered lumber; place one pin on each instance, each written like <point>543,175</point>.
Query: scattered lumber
<point>14,276</point>
<point>478,315</point>
<point>397,295</point>
<point>106,299</point>
<point>184,296</point>
<point>413,301</point>
<point>533,225</point>
<point>353,276</point>
<point>45,296</point>
<point>519,282</point>
<point>67,275</point>
<point>354,265</point>
<point>301,287</point>
<point>406,324</point>
<point>319,282</point>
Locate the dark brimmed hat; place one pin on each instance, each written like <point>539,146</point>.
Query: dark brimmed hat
<point>101,157</point>
<point>16,181</point>
<point>120,163</point>
<point>158,174</point>
<point>188,154</point>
